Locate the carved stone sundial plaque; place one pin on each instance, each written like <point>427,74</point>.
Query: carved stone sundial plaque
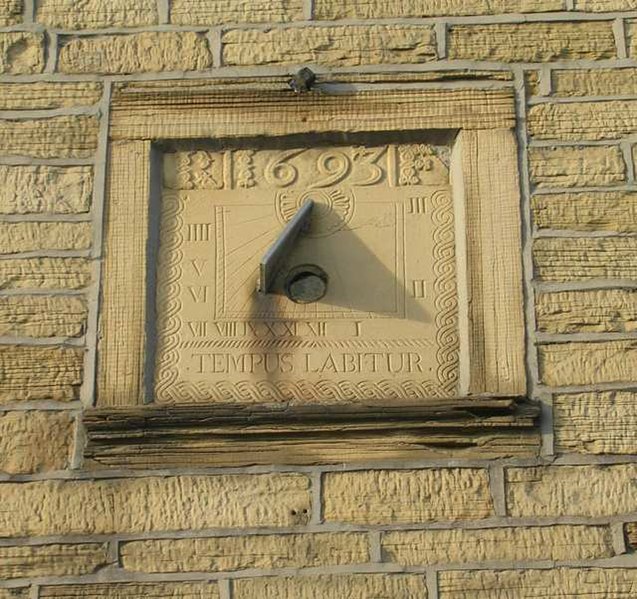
<point>382,233</point>
<point>310,278</point>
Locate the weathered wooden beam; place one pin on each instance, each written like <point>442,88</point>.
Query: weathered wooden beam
<point>245,434</point>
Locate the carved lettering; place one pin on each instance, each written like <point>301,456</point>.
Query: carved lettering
<point>198,231</point>
<point>417,205</point>
<point>418,288</point>
<point>270,328</point>
<point>364,363</point>
<point>198,328</point>
<point>198,265</point>
<point>249,363</point>
<point>199,294</point>
<point>317,329</point>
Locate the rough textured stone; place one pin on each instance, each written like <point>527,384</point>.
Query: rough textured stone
<point>218,554</point>
<point>580,121</point>
<point>576,167</point>
<point>52,560</point>
<point>21,53</point>
<point>605,5</point>
<point>532,42</point>
<point>10,12</point>
<point>55,137</point>
<point>631,535</point>
<point>595,82</point>
<point>581,259</point>
<point>532,83</point>
<point>350,586</point>
<point>42,316</point>
<point>588,363</point>
<point>597,311</point>
<point>92,14</point>
<point>34,442</point>
<point>19,593</point>
<point>546,491</point>
<point>223,12</point>
<point>339,46</point>
<point>396,496</point>
<point>585,583</point>
<point>596,423</point>
<point>43,236</point>
<point>45,273</point>
<point>631,28</point>
<point>43,94</point>
<point>153,504</point>
<point>425,547</point>
<point>33,372</point>
<point>378,9</point>
<point>134,590</point>
<point>135,53</point>
<point>590,211</point>
<point>45,189</point>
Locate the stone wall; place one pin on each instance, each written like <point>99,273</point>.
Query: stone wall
<point>564,524</point>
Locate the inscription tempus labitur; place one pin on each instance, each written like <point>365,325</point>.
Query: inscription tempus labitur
<point>382,229</point>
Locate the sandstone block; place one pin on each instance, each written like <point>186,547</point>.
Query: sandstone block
<point>377,9</point>
<point>45,189</point>
<point>222,12</point>
<point>532,42</point>
<point>610,583</point>
<point>55,137</point>
<point>134,590</point>
<point>589,211</point>
<point>34,442</point>
<point>34,372</point>
<point>596,423</point>
<point>15,593</point>
<point>576,167</point>
<point>595,82</point>
<point>21,53</point>
<point>631,535</point>
<point>397,496</point>
<point>352,586</point>
<point>579,121</point>
<point>42,316</point>
<point>135,53</point>
<point>45,273</point>
<point>588,363</point>
<point>43,236</point>
<point>425,547</point>
<point>52,560</point>
<point>596,311</point>
<point>43,94</point>
<point>532,83</point>
<point>10,12</point>
<point>581,258</point>
<point>592,491</point>
<point>154,504</point>
<point>605,5</point>
<point>92,14</point>
<point>631,28</point>
<point>219,554</point>
<point>352,45</point>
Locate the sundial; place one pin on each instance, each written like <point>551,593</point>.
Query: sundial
<point>306,274</point>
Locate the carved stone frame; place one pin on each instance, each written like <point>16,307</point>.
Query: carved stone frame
<point>484,174</point>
